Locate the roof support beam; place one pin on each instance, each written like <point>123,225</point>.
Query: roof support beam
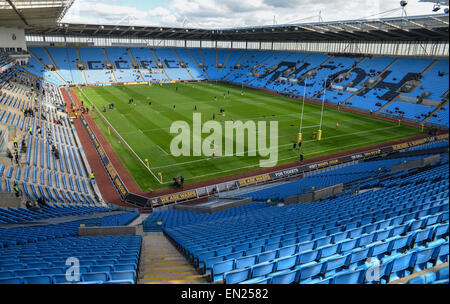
<point>17,12</point>
<point>424,27</point>
<point>98,29</point>
<point>439,20</point>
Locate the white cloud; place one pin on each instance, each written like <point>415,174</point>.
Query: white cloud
<point>237,13</point>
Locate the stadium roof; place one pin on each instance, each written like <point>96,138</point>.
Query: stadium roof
<point>444,2</point>
<point>31,13</point>
<point>428,27</point>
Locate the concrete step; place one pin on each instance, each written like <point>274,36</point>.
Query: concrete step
<point>161,263</point>
<point>166,268</point>
<point>171,278</point>
<point>187,281</point>
<point>167,271</point>
<point>138,220</point>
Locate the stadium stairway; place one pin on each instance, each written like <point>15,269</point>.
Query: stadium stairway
<point>158,59</point>
<point>388,103</point>
<point>138,220</point>
<point>398,97</point>
<point>107,59</point>
<point>134,60</point>
<point>187,70</point>
<point>427,276</point>
<point>82,71</point>
<point>429,67</point>
<point>349,72</point>
<point>226,60</point>
<point>51,59</point>
<point>378,79</point>
<point>195,61</point>
<point>204,62</point>
<point>56,73</point>
<point>161,263</point>
<point>438,108</point>
<point>260,65</point>
<point>237,62</point>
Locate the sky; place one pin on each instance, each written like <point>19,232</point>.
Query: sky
<point>212,14</point>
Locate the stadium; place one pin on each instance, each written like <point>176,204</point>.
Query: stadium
<point>300,153</point>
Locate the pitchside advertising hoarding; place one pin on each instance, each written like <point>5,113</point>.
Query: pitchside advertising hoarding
<point>112,173</point>
<point>171,198</point>
<point>297,171</point>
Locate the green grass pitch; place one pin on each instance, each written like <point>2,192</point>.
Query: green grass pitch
<point>146,127</point>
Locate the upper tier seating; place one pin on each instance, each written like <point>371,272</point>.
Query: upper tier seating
<point>281,72</point>
<point>95,61</point>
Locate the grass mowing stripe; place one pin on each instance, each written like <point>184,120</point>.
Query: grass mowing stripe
<point>129,147</point>
<point>286,145</point>
<point>146,128</point>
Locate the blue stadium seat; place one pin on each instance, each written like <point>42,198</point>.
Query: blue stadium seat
<point>267,256</point>
<point>94,277</point>
<point>219,269</point>
<point>237,276</point>
<point>259,280</point>
<point>262,269</point>
<point>246,261</point>
<point>27,272</point>
<point>122,277</point>
<point>6,274</point>
<point>37,280</point>
<point>285,278</point>
<point>337,264</point>
<point>402,266</point>
<point>310,274</point>
<point>283,265</point>
<point>11,281</point>
<point>442,276</point>
<point>352,277</point>
<point>105,269</point>
<point>124,268</point>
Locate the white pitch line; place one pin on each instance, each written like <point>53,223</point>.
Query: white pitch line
<point>206,159</point>
<point>164,151</point>
<point>293,157</point>
<point>285,145</point>
<point>123,140</point>
<point>243,120</point>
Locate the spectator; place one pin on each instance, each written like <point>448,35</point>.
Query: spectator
<point>24,146</point>
<point>9,155</point>
<point>175,183</point>
<point>16,190</point>
<point>29,205</point>
<point>41,202</point>
<point>16,156</point>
